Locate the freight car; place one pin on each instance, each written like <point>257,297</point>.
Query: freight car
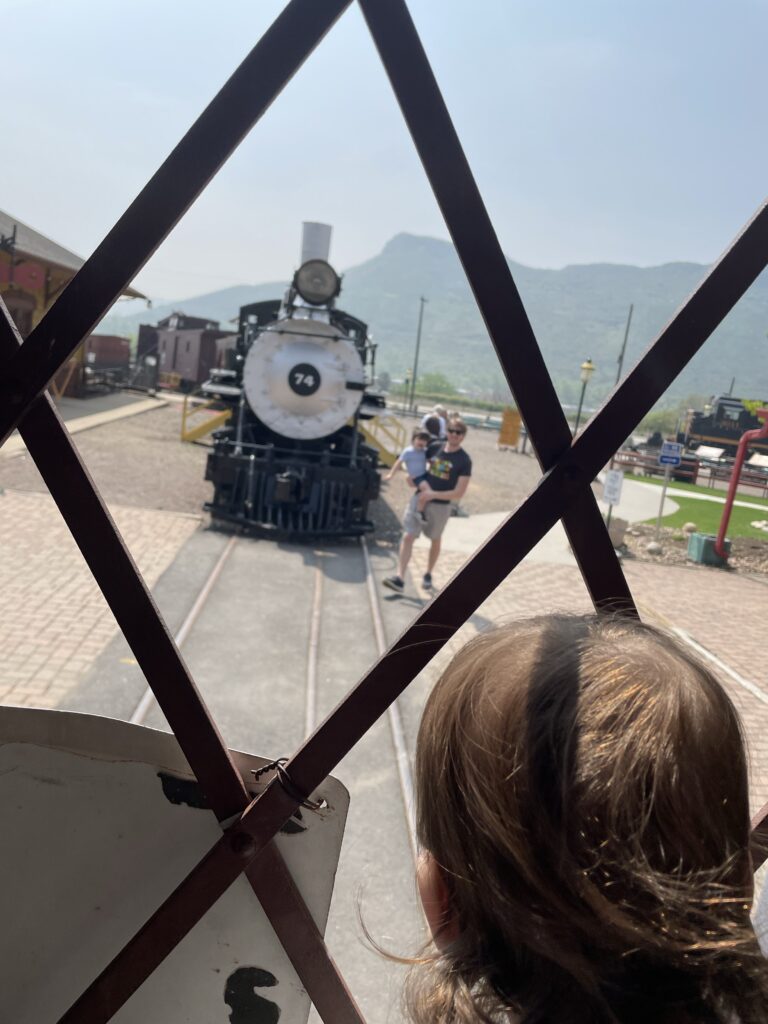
<point>101,363</point>
<point>184,349</point>
<point>292,461</point>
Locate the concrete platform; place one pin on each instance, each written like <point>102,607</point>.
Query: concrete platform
<point>87,413</point>
<point>465,535</point>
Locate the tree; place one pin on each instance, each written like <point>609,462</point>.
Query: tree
<point>435,384</point>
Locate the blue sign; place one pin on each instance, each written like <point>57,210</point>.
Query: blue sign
<point>671,454</point>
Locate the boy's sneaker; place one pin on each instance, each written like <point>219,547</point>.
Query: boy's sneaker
<point>394,583</point>
<point>427,581</point>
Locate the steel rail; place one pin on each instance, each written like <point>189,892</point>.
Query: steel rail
<point>142,708</point>
<point>170,192</point>
<point>394,718</point>
<point>102,546</point>
<point>313,649</point>
<point>320,753</point>
<point>492,284</point>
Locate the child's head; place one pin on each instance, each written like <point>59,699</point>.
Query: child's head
<point>420,438</point>
<point>582,798</point>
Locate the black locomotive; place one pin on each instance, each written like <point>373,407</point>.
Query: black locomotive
<point>722,426</point>
<point>292,461</point>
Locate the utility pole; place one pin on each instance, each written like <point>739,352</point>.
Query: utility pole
<point>620,361</point>
<point>423,301</point>
<point>624,343</point>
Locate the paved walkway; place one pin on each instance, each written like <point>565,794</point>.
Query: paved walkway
<point>54,621</point>
<point>80,415</point>
<point>680,492</point>
<point>718,613</point>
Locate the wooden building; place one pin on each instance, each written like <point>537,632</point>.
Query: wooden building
<point>187,348</point>
<point>33,271</point>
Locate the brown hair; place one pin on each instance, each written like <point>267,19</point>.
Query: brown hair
<point>419,434</point>
<point>582,784</point>
<point>457,423</point>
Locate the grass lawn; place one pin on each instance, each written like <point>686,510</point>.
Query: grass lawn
<point>707,515</point>
<point>698,489</point>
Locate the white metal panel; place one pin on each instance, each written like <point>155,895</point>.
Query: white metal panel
<point>101,821</point>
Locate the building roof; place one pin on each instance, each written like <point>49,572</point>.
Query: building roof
<point>186,323</point>
<point>35,245</point>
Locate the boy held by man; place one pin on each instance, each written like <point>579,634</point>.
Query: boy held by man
<point>414,458</point>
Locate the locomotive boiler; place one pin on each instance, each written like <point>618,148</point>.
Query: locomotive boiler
<point>292,461</point>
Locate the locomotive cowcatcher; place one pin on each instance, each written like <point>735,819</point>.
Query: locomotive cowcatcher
<point>292,461</point>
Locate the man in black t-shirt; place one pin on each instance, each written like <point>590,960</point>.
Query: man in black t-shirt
<point>447,480</point>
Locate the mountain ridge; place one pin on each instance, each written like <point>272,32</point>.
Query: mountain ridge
<point>577,311</point>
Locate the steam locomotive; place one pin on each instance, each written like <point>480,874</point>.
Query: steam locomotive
<point>292,461</point>
<point>722,425</point>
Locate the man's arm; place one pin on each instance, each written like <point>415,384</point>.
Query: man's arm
<point>456,494</point>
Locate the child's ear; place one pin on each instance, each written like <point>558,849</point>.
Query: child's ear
<point>435,896</point>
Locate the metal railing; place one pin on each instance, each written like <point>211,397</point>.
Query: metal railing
<point>206,415</point>
<point>387,434</point>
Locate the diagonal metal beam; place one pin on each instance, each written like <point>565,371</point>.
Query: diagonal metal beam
<point>163,201</point>
<point>492,284</point>
<point>131,603</point>
<point>113,568</point>
<point>332,740</point>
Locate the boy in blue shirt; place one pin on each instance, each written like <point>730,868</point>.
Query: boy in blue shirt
<point>414,458</point>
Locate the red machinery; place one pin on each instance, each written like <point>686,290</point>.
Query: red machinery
<point>741,453</point>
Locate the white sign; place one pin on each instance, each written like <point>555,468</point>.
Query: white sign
<point>614,478</point>
<point>130,821</point>
<point>671,454</point>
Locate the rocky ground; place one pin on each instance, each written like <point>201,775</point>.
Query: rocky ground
<point>748,556</point>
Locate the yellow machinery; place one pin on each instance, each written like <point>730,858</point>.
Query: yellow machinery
<point>386,434</point>
<point>200,416</point>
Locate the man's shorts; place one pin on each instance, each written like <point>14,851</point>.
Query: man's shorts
<point>436,513</point>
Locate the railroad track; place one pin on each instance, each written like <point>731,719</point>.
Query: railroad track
<point>317,637</point>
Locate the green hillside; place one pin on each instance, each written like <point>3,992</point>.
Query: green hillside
<point>576,312</point>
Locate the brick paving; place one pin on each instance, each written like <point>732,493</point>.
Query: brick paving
<point>54,621</point>
<point>724,613</point>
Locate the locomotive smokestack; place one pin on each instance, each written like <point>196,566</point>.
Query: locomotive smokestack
<point>315,241</point>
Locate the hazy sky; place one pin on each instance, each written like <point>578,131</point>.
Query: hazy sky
<point>598,130</point>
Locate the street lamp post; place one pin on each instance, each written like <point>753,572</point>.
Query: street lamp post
<point>422,300</point>
<point>587,369</point>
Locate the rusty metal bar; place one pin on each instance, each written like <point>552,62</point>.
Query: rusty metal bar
<point>333,739</point>
<point>131,603</point>
<point>492,284</point>
<point>99,540</point>
<point>162,202</point>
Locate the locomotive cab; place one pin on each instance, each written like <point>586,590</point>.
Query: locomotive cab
<point>292,460</point>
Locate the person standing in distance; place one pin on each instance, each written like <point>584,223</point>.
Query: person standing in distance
<point>442,418</point>
<point>448,474</point>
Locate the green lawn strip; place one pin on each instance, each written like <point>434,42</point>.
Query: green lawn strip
<point>698,489</point>
<point>707,515</point>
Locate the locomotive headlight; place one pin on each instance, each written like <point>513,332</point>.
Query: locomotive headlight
<point>317,282</point>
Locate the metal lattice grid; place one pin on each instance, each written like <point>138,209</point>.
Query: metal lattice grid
<point>563,492</point>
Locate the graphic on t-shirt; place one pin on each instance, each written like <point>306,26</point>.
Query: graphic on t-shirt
<point>440,468</point>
